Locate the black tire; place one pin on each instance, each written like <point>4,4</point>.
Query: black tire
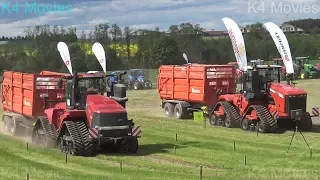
<point>213,119</point>
<point>12,126</point>
<point>6,123</point>
<point>136,85</point>
<point>245,124</point>
<point>305,124</point>
<point>169,109</point>
<point>179,111</point>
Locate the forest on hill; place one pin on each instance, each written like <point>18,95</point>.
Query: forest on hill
<point>129,48</point>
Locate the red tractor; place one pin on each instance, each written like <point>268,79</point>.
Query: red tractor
<point>68,111</point>
<point>264,104</point>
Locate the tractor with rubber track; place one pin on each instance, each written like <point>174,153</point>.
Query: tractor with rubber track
<point>69,111</point>
<point>264,104</point>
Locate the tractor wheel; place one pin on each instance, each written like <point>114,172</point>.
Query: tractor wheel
<point>169,109</point>
<point>303,74</point>
<point>245,124</point>
<point>136,86</point>
<point>213,119</point>
<point>179,111</point>
<point>305,124</point>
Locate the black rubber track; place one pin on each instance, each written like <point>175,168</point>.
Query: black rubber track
<point>128,145</point>
<point>49,132</point>
<point>80,138</point>
<point>232,113</point>
<point>49,129</point>
<point>268,123</point>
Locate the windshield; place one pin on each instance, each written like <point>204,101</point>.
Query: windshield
<point>91,85</point>
<point>142,73</point>
<point>266,75</point>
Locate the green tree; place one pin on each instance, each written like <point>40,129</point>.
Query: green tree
<point>165,51</point>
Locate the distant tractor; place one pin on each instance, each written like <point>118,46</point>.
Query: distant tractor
<point>258,61</point>
<point>305,69</point>
<point>138,79</point>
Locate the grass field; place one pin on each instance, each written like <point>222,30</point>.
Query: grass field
<point>210,147</point>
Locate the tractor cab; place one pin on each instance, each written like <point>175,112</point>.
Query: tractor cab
<point>256,79</point>
<point>304,68</point>
<point>257,62</point>
<point>138,75</point>
<point>116,77</point>
<point>78,86</point>
<point>277,61</point>
<point>139,79</point>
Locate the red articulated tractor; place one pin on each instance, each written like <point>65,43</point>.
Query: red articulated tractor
<point>69,111</point>
<point>264,104</point>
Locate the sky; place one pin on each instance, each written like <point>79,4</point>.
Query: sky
<point>17,15</point>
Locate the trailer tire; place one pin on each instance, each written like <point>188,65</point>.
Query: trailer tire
<point>168,109</point>
<point>13,126</point>
<point>6,125</point>
<point>179,111</point>
<point>305,124</point>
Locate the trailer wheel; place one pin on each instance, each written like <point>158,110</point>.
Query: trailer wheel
<point>305,124</point>
<point>168,109</point>
<point>13,126</point>
<point>179,111</point>
<point>6,123</point>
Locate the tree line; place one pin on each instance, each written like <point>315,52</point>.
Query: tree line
<point>129,48</point>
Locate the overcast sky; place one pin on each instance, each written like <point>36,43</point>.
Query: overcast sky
<point>148,14</point>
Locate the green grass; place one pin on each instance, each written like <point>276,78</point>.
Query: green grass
<point>210,147</point>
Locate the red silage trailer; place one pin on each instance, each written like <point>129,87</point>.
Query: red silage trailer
<point>184,89</point>
<point>23,98</point>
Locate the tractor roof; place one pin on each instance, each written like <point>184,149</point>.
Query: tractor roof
<point>264,67</point>
<point>257,60</point>
<point>298,58</point>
